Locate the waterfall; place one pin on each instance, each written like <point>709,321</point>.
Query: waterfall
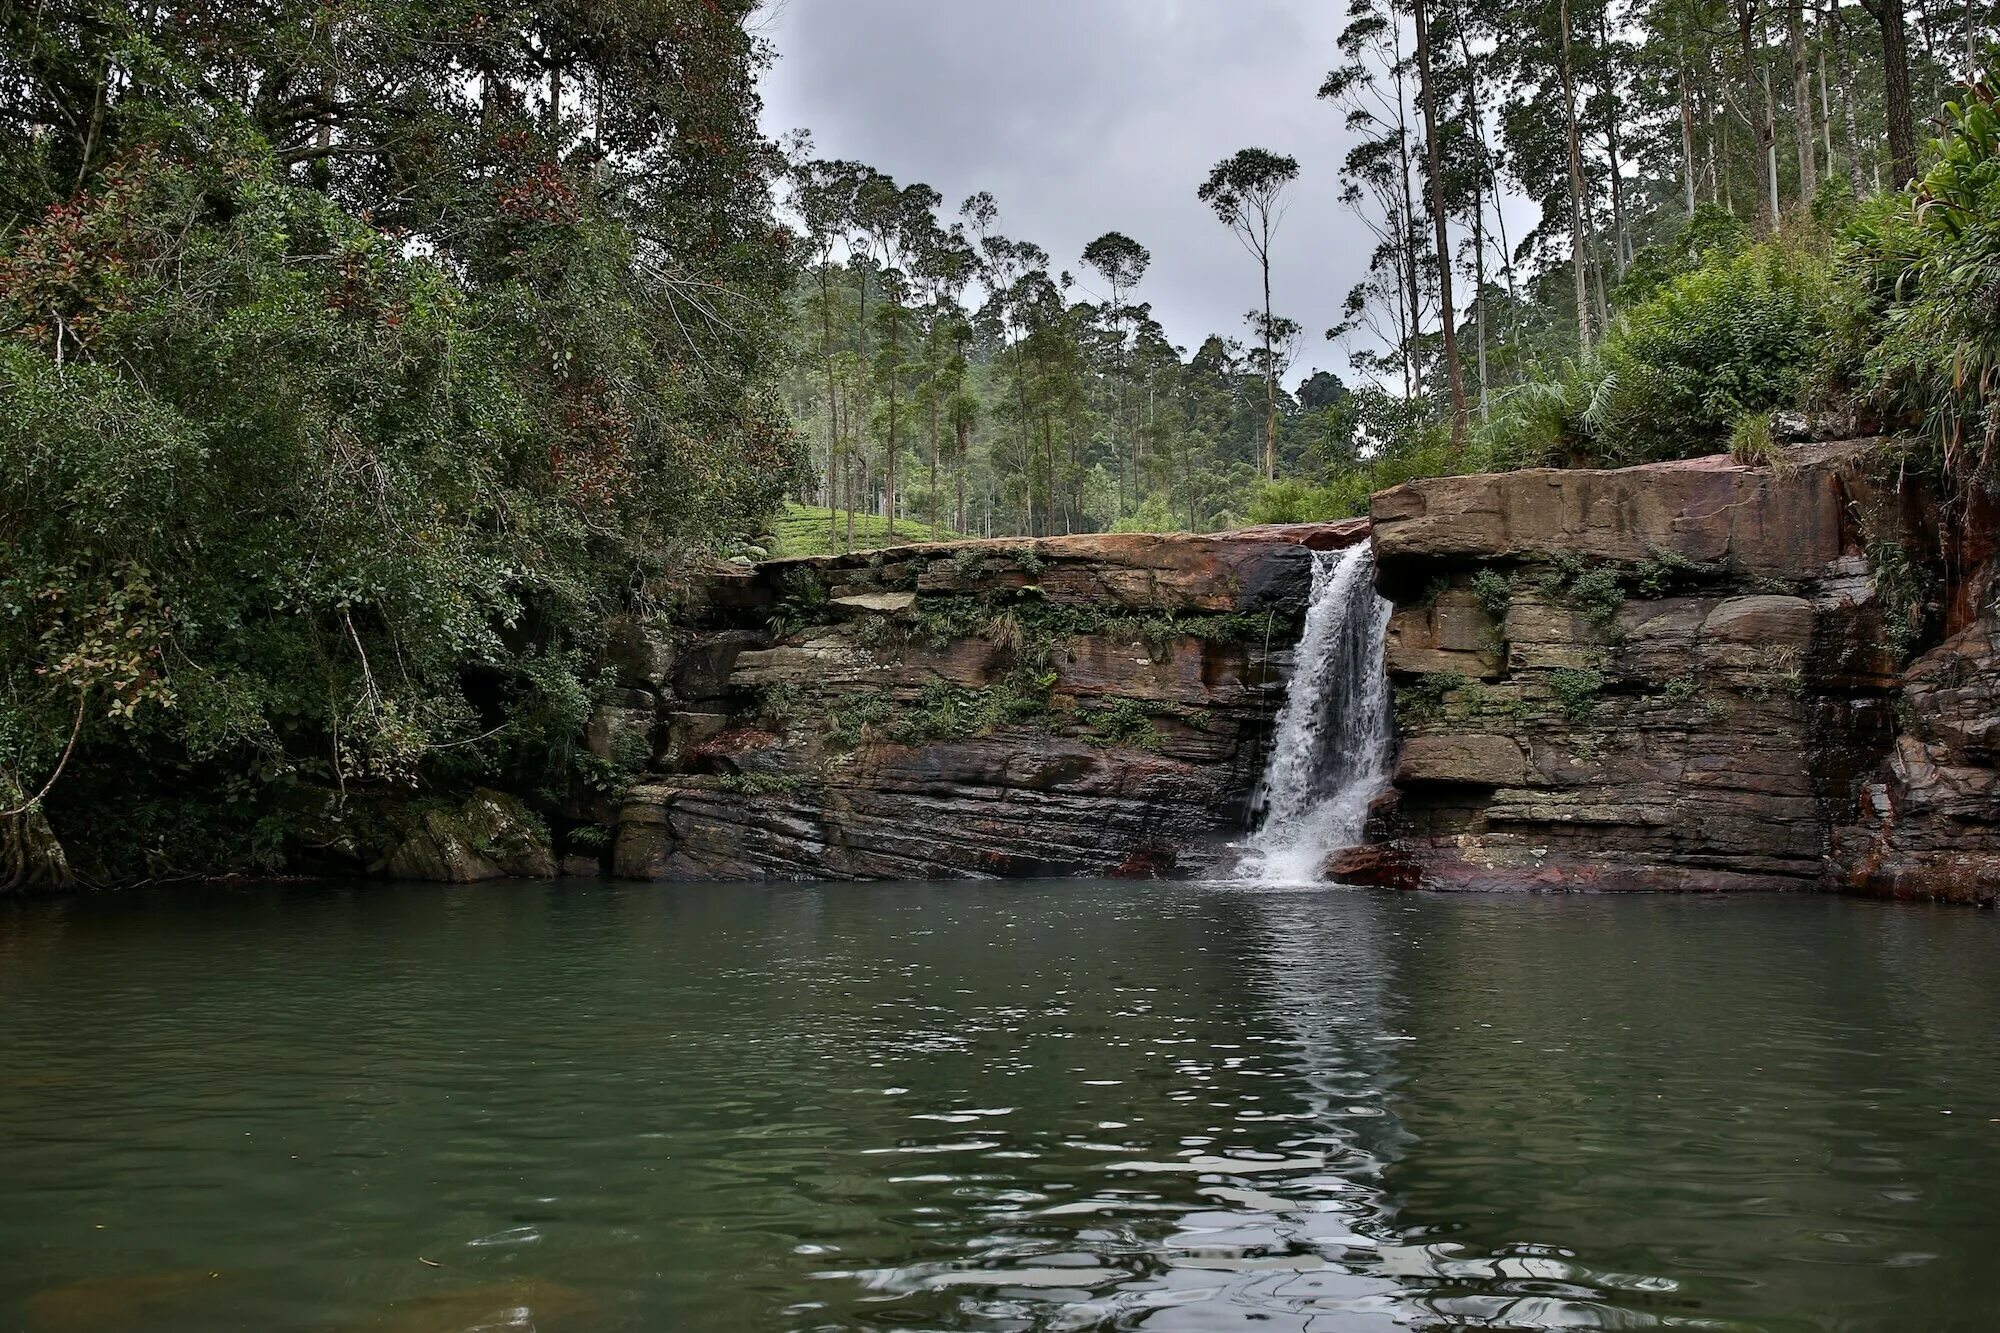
<point>1330,755</point>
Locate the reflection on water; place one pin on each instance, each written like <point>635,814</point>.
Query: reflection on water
<point>1061,1106</point>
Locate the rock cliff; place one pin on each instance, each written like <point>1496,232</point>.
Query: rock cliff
<point>1688,676</point>
<point>1094,704</point>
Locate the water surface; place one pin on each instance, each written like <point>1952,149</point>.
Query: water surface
<point>1032,1107</point>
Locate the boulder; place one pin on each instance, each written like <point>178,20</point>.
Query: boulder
<point>490,836</point>
<point>641,652</point>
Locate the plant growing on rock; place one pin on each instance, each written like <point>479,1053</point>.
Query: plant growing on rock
<point>760,784</point>
<point>1494,592</point>
<point>780,704</point>
<point>1908,591</point>
<point>1423,699</point>
<point>849,720</point>
<point>1576,690</point>
<point>1125,722</point>
<point>1595,591</point>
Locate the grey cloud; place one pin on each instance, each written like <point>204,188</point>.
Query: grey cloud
<point>1084,116</point>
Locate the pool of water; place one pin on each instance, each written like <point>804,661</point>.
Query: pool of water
<point>1001,1106</point>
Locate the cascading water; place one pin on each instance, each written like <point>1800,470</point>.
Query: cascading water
<point>1330,754</point>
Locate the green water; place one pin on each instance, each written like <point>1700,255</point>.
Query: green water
<point>1047,1107</point>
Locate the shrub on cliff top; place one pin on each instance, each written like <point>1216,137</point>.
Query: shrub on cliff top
<point>1928,263</point>
<point>1744,334</point>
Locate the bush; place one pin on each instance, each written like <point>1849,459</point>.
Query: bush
<point>1494,592</point>
<point>1929,265</point>
<point>1576,692</point>
<point>1743,334</point>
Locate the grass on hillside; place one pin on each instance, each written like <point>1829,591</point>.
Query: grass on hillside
<point>804,530</point>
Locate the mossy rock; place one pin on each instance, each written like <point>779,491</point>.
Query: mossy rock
<point>491,836</point>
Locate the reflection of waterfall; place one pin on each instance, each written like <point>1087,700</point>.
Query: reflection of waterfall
<point>1331,753</point>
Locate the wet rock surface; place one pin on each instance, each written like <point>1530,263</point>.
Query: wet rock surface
<point>1678,677</point>
<point>1071,705</point>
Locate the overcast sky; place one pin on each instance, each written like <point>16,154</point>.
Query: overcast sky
<point>1088,116</point>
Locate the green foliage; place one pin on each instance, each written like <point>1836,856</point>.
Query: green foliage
<point>802,601</point>
<point>1494,592</point>
<point>945,711</point>
<point>1929,266</point>
<point>1125,722</point>
<point>1751,442</point>
<point>1747,333</point>
<point>589,839</point>
<point>1542,422</point>
<point>1665,571</point>
<point>1683,691</point>
<point>937,621</point>
<point>1908,590</point>
<point>780,704</point>
<point>1576,692</point>
<point>1593,590</point>
<point>1423,699</point>
<point>967,563</point>
<point>760,784</point>
<point>355,452</point>
<point>1293,500</point>
<point>849,720</point>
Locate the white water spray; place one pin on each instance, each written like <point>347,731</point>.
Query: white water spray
<point>1330,755</point>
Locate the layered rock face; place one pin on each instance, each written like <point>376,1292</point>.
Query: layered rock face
<point>1094,704</point>
<point>1675,676</point>
<point>1927,824</point>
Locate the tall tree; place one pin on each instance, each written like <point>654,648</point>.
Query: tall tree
<point>1247,192</point>
<point>1896,87</point>
<point>1448,311</point>
<point>1122,263</point>
<point>1578,239</point>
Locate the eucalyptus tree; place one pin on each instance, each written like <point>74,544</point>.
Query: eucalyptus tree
<point>897,223</point>
<point>1447,309</point>
<point>945,265</point>
<point>1247,193</point>
<point>1372,86</point>
<point>1122,262</point>
<point>823,197</point>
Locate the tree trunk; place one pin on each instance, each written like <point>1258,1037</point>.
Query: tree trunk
<point>1270,368</point>
<point>937,443</point>
<point>962,429</point>
<point>1621,251</point>
<point>1762,127</point>
<point>1579,247</point>
<point>1448,310</point>
<point>832,405</point>
<point>1849,130</point>
<point>1802,116</point>
<point>1687,144</point>
<point>1472,109</point>
<point>895,374</point>
<point>1406,239</point>
<point>1770,155</point>
<point>1896,87</point>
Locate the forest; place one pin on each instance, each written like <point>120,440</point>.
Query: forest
<point>1723,232</point>
<point>359,359</point>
